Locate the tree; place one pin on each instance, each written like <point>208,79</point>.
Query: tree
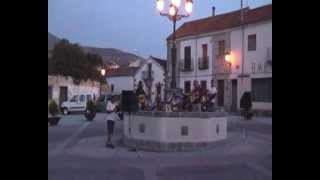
<point>69,60</point>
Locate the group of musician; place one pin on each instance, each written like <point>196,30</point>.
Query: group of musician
<point>199,100</point>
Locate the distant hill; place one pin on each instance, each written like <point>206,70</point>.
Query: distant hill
<point>52,40</point>
<point>113,55</point>
<point>108,54</point>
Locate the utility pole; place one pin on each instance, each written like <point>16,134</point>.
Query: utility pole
<point>242,49</point>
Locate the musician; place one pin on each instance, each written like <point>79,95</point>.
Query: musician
<point>140,93</point>
<point>204,100</point>
<point>187,105</point>
<point>195,96</point>
<point>175,103</point>
<point>158,103</point>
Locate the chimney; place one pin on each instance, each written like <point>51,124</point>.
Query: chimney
<point>213,10</point>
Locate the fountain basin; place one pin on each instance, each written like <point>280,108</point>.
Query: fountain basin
<point>175,131</point>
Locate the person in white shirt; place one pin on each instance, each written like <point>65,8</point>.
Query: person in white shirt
<point>112,116</point>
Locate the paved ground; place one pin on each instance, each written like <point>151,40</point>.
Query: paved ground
<point>76,151</point>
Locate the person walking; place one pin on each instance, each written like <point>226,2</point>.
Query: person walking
<point>112,116</point>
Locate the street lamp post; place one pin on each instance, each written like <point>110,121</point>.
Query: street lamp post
<point>174,16</point>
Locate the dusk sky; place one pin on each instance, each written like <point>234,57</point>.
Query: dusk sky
<point>130,25</point>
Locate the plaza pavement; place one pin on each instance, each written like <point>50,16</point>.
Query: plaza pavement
<point>76,151</point>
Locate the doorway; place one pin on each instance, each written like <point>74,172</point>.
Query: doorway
<point>220,92</point>
<point>63,95</point>
<point>234,95</point>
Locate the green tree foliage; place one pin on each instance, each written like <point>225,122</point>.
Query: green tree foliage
<point>69,60</point>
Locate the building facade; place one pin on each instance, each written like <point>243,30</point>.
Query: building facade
<point>202,46</point>
<point>62,88</point>
<point>150,72</point>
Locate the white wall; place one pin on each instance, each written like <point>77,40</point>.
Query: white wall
<point>158,76</point>
<point>88,87</point>
<point>131,82</point>
<point>120,83</point>
<point>263,33</point>
<point>165,129</point>
<point>196,53</point>
<point>261,106</point>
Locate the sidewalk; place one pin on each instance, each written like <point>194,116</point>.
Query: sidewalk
<point>262,120</point>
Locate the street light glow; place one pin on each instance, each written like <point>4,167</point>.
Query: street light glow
<point>176,3</point>
<point>160,5</point>
<point>103,72</point>
<point>228,58</point>
<point>188,6</point>
<point>172,10</point>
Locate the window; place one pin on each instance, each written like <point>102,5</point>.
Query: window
<point>203,84</point>
<point>142,128</point>
<point>81,98</point>
<point>262,90</point>
<point>203,62</point>
<point>204,50</point>
<point>252,42</point>
<point>212,82</point>
<point>102,98</point>
<point>217,129</point>
<point>184,131</point>
<point>187,86</point>
<point>150,70</point>
<point>74,98</point>
<point>187,57</point>
<point>89,97</point>
<point>221,48</point>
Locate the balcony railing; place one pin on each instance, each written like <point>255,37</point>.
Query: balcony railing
<point>203,63</point>
<point>186,65</point>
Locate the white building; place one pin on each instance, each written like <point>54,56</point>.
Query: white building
<point>62,88</point>
<point>201,48</point>
<point>127,78</point>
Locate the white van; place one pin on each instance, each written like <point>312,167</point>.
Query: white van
<point>76,104</point>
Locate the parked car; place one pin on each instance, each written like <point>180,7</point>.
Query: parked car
<point>102,101</point>
<point>76,104</point>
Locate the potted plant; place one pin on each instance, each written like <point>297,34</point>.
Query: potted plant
<point>53,111</point>
<point>90,112</point>
<point>245,105</point>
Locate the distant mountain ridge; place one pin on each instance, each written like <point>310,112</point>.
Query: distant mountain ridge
<point>108,54</point>
<point>52,40</point>
<point>113,55</point>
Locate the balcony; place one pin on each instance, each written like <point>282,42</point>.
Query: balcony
<point>186,65</point>
<point>148,75</point>
<point>203,63</point>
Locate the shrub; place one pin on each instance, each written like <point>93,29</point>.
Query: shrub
<point>91,107</point>
<point>245,101</point>
<point>53,107</point>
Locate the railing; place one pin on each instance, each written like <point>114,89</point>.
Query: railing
<point>186,66</point>
<point>203,63</point>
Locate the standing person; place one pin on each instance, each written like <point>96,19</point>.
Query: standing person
<point>140,93</point>
<point>111,118</point>
<point>212,97</point>
<point>196,98</point>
